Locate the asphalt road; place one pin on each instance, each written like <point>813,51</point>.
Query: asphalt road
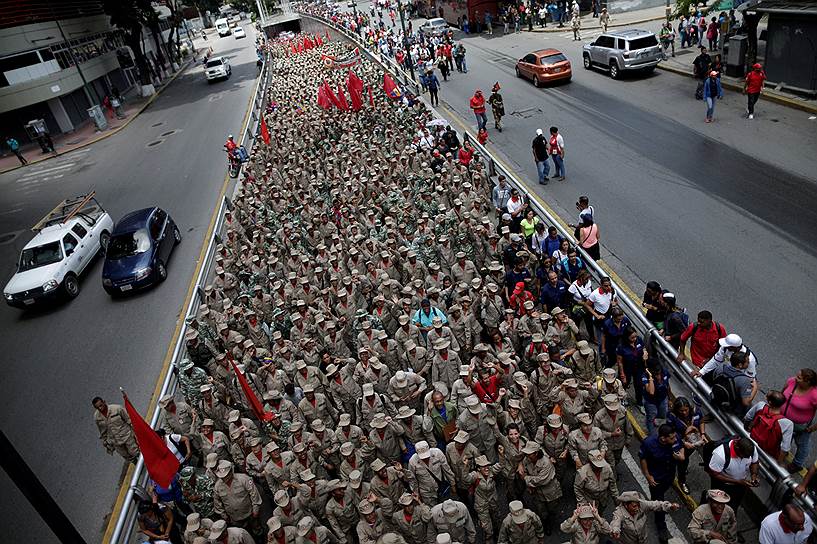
<point>722,214</point>
<point>58,359</point>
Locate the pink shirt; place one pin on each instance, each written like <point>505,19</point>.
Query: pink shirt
<point>799,408</point>
<point>589,236</point>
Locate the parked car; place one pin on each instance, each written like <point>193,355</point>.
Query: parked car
<point>622,51</point>
<point>139,249</point>
<point>544,66</point>
<point>217,68</point>
<point>434,27</point>
<point>239,33</point>
<point>67,240</point>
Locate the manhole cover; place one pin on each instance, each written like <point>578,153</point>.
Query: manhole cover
<point>157,142</point>
<point>160,123</point>
<point>168,133</point>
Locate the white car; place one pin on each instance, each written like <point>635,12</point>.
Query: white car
<point>217,68</point>
<point>239,33</point>
<point>434,27</point>
<point>67,240</point>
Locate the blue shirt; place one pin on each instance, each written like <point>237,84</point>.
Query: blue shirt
<point>612,333</point>
<point>681,425</point>
<point>660,462</point>
<point>426,320</point>
<point>551,296</point>
<point>661,388</point>
<point>552,244</point>
<point>513,277</point>
<point>631,356</point>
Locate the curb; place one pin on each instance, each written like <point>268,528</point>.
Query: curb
<point>567,28</point>
<point>771,97</point>
<point>112,131</point>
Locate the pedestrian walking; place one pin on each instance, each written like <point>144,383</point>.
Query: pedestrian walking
<point>497,106</point>
<point>712,34</point>
<point>539,148</point>
<point>442,65</point>
<point>557,153</point>
<point>14,145</point>
<point>489,23</point>
<point>659,455</point>
<point>712,91</point>
<point>604,19</point>
<point>576,26</point>
<point>433,86</point>
<point>667,37</point>
<point>753,86</point>
<point>115,430</point>
<point>477,104</point>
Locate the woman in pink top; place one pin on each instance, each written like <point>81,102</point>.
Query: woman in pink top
<point>589,237</point>
<point>801,404</point>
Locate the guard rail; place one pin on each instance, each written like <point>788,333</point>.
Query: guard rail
<point>126,518</point>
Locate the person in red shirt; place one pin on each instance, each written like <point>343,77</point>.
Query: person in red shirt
<point>478,105</point>
<point>753,86</point>
<point>489,387</point>
<point>230,144</point>
<point>704,337</point>
<point>465,154</point>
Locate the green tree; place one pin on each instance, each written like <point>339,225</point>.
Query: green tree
<point>130,16</point>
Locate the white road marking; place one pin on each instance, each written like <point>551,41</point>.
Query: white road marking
<point>677,536</point>
<point>9,212</point>
<point>32,173</point>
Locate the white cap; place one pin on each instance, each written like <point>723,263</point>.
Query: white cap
<point>538,131</point>
<point>731,341</point>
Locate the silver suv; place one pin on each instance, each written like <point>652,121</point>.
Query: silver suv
<point>623,50</point>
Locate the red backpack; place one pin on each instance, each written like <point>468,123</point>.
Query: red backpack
<point>766,431</point>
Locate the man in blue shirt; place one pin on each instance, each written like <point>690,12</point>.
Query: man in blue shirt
<point>424,317</point>
<point>659,454</point>
<point>14,145</point>
<point>554,292</point>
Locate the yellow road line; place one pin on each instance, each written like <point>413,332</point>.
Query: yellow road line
<point>123,490</point>
<point>691,503</point>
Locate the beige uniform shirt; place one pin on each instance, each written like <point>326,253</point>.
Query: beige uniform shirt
<point>589,487</point>
<point>633,530</point>
<point>115,427</point>
<point>238,500</point>
<point>418,529</point>
<point>703,522</point>
<point>580,445</point>
<point>530,532</point>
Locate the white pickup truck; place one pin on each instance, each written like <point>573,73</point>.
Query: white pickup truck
<point>67,240</point>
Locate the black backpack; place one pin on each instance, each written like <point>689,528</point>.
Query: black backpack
<point>724,392</point>
<point>709,448</point>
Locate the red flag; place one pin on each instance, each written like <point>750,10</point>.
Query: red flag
<point>344,105</point>
<point>391,88</point>
<point>331,95</point>
<point>371,98</point>
<point>354,83</point>
<point>264,130</point>
<point>323,100</point>
<point>292,46</point>
<point>162,465</point>
<point>327,35</point>
<point>356,98</point>
<point>318,40</point>
<point>300,47</point>
<point>255,404</point>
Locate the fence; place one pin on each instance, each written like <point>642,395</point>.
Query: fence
<point>778,481</point>
<point>126,520</point>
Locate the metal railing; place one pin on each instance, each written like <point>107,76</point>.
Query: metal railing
<point>126,520</point>
<point>778,479</point>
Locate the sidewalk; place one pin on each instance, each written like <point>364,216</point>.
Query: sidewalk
<point>86,133</point>
<point>682,64</point>
<point>616,20</point>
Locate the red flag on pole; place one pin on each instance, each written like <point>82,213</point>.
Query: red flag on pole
<point>323,100</point>
<point>327,35</point>
<point>255,404</point>
<point>344,105</point>
<point>357,100</point>
<point>162,465</point>
<point>264,130</point>
<point>331,94</point>
<point>292,46</point>
<point>318,40</point>
<point>371,98</point>
<point>391,88</point>
<point>354,83</point>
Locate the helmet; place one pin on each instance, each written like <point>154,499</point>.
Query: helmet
<point>230,137</point>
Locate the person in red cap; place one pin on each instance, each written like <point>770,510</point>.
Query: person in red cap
<point>497,106</point>
<point>753,86</point>
<point>478,105</point>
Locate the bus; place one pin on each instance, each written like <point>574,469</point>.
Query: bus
<point>223,27</point>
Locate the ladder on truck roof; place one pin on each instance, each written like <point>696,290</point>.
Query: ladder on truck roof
<point>80,205</point>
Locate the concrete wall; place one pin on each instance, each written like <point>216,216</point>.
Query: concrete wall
<point>58,84</point>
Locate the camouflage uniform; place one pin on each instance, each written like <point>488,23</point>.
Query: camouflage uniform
<point>199,493</point>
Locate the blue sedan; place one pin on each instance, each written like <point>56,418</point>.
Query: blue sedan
<point>138,251</point>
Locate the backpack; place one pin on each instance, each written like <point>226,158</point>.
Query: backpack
<point>709,448</point>
<point>766,432</point>
<point>724,392</point>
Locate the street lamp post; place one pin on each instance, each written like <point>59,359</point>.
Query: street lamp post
<point>405,40</point>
